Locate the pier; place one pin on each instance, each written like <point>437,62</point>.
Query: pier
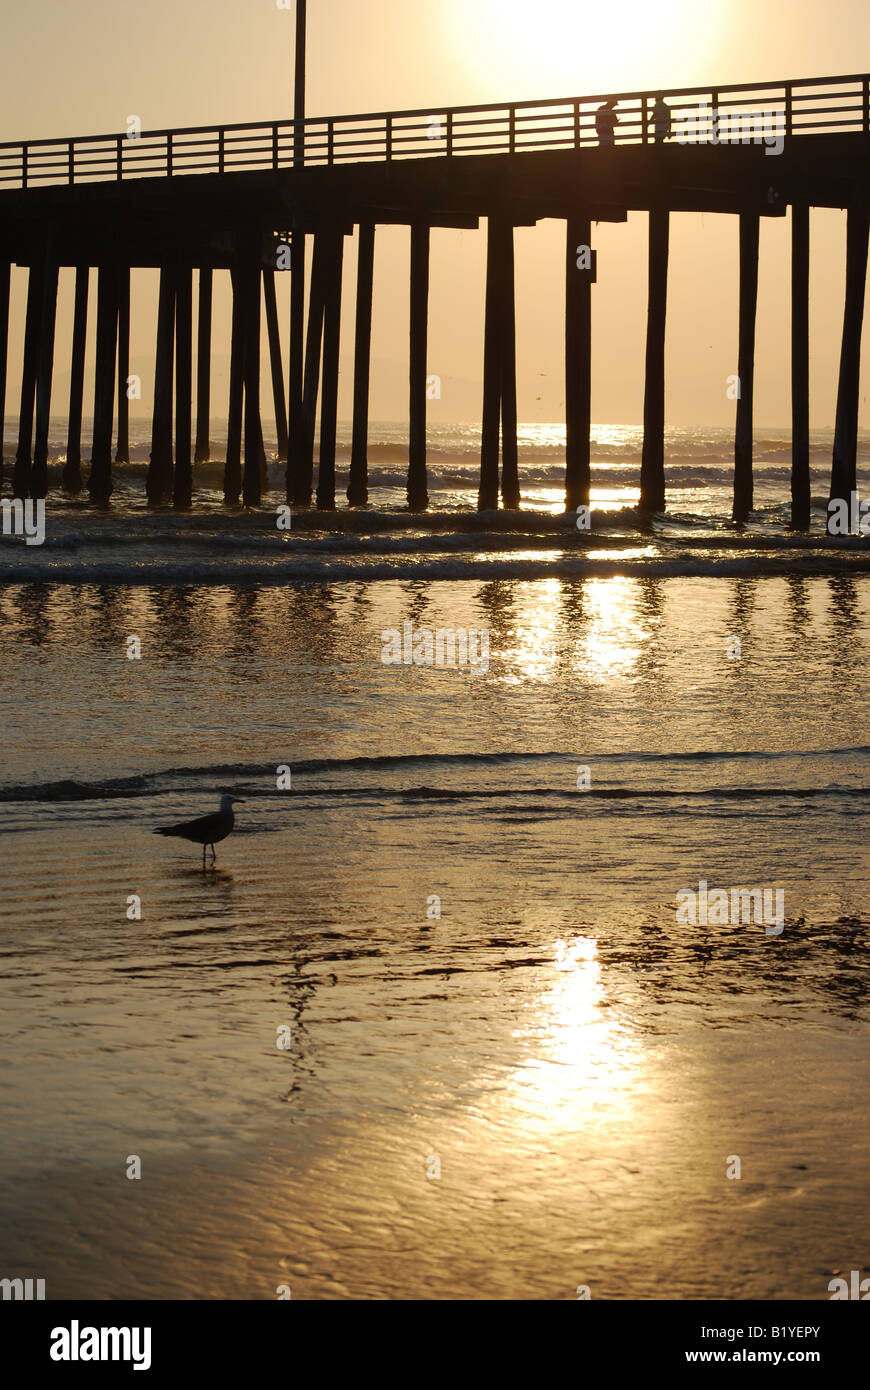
<point>259,201</point>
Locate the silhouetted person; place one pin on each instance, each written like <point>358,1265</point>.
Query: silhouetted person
<point>662,122</point>
<point>606,121</point>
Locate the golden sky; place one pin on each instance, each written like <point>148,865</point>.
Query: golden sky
<point>73,69</point>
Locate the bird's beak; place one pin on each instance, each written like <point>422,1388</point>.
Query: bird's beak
<point>239,799</point>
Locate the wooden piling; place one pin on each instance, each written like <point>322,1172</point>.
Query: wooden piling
<point>233,466</point>
<point>159,482</point>
<point>743,484</point>
<point>418,493</point>
<point>844,466</point>
<point>652,468</point>
<point>252,476</point>
<point>800,366</point>
<point>357,487</point>
<point>297,363</point>
<point>277,365</point>
<point>578,366</point>
<point>48,320</point>
<point>122,450</point>
<point>71,478</point>
<point>100,479</point>
<point>183,484</point>
<point>33,323</point>
<point>202,451</point>
<point>329,408</point>
<point>5,270</point>
<point>487,497</point>
<point>314,341</point>
<point>510,479</point>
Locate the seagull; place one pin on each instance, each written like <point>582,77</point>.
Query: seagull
<point>206,830</point>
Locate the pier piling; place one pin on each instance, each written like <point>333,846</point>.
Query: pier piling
<point>233,464</point>
<point>30,366</point>
<point>183,481</point>
<point>159,482</point>
<point>71,478</point>
<point>122,451</point>
<point>578,366</point>
<point>100,479</point>
<point>743,483</point>
<point>800,366</point>
<point>357,487</point>
<point>418,492</point>
<point>313,346</point>
<point>297,363</point>
<point>510,479</point>
<point>252,476</point>
<point>276,363</point>
<point>652,468</point>
<point>844,466</point>
<point>48,320</point>
<point>202,451</point>
<point>5,275</point>
<point>329,407</point>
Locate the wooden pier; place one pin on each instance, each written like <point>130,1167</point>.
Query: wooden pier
<point>254,199</point>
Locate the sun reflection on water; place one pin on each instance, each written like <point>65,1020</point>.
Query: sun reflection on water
<point>586,1062</point>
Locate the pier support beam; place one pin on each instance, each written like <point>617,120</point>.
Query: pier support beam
<point>329,408</point>
<point>71,479</point>
<point>297,364</point>
<point>277,365</point>
<point>5,270</point>
<point>122,451</point>
<point>252,477</point>
<point>578,367</point>
<point>357,487</point>
<point>487,495</point>
<point>499,371</point>
<point>418,492</point>
<point>100,479</point>
<point>202,452</point>
<point>743,486</point>
<point>33,323</point>
<point>183,484</point>
<point>233,466</point>
<point>652,468</point>
<point>510,479</point>
<point>843,471</point>
<point>314,341</point>
<point>800,366</point>
<point>48,320</point>
<point>159,483</point>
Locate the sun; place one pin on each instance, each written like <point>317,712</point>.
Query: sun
<point>567,48</point>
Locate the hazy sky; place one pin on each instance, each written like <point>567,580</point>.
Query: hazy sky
<point>81,68</point>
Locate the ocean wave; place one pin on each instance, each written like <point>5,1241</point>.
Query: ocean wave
<point>151,784</point>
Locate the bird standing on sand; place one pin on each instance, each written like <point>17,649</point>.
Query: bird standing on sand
<point>206,830</point>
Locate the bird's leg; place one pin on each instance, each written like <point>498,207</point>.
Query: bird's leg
<point>203,856</point>
<point>213,854</point>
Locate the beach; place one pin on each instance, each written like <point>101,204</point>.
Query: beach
<point>509,1071</point>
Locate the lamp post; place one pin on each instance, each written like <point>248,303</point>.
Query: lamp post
<point>299,86</point>
<point>297,271</point>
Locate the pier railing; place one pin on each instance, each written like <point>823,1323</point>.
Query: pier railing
<point>726,114</point>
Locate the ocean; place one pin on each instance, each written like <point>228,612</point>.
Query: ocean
<point>434,1025</point>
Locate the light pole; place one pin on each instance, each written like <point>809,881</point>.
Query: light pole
<point>297,271</point>
<point>299,86</point>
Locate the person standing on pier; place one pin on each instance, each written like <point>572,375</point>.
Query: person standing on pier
<point>606,121</point>
<point>662,123</point>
